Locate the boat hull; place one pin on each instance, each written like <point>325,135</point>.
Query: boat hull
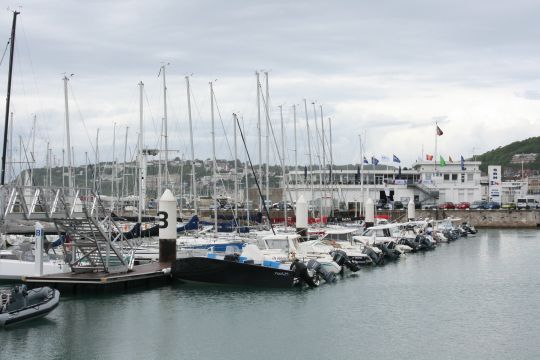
<point>217,271</point>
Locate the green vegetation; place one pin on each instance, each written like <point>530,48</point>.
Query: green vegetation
<point>503,155</point>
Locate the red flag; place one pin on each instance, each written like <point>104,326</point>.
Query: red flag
<point>429,157</point>
<point>439,131</point>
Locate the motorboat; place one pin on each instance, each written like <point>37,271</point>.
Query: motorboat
<point>237,269</point>
<point>18,304</point>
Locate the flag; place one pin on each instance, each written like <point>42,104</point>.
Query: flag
<point>395,159</point>
<point>305,173</point>
<point>439,131</point>
<point>462,163</point>
<point>429,157</point>
<point>442,162</point>
<point>365,160</point>
<point>450,159</point>
<point>374,160</point>
<point>384,158</point>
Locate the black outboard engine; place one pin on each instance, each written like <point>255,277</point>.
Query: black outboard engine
<point>302,273</point>
<point>410,243</point>
<point>232,257</point>
<point>391,254</point>
<point>378,259</point>
<point>319,269</point>
<point>341,258</point>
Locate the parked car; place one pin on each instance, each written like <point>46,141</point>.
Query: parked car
<point>492,205</point>
<point>463,205</point>
<point>447,205</point>
<point>527,203</point>
<point>429,206</point>
<point>509,206</point>
<point>478,205</point>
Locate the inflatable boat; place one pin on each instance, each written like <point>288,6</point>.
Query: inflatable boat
<point>19,304</point>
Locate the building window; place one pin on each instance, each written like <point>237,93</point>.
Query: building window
<point>454,177</point>
<point>446,177</point>
<point>462,178</point>
<point>470,177</point>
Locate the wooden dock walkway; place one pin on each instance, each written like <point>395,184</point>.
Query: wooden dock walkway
<point>151,274</point>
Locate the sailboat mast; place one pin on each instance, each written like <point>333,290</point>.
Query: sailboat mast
<point>295,155</point>
<point>68,134</point>
<point>193,182</point>
<point>323,188</point>
<point>235,171</point>
<point>165,126</point>
<point>259,130</point>
<point>309,155</point>
<point>113,160</point>
<point>124,166</point>
<point>8,97</point>
<point>141,158</point>
<point>331,165</point>
<point>33,154</point>
<point>214,195</point>
<point>267,107</point>
<point>284,197</point>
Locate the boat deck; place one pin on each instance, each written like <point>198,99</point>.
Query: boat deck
<point>154,273</point>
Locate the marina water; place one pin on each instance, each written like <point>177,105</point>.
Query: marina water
<point>476,298</point>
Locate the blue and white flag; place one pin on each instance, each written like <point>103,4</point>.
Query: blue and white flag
<point>462,163</point>
<point>365,160</point>
<point>384,158</point>
<point>396,159</point>
<point>374,160</point>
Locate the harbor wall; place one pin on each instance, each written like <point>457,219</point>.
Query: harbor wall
<point>479,218</point>
<point>488,218</point>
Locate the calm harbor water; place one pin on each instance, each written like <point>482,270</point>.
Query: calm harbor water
<point>476,298</point>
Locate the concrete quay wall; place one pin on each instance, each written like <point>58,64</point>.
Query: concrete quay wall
<point>488,218</point>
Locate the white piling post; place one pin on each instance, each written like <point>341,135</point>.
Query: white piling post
<point>411,210</point>
<point>370,213</point>
<point>167,227</point>
<point>301,216</point>
<point>38,259</point>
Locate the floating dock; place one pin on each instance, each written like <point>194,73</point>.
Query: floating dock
<point>146,275</point>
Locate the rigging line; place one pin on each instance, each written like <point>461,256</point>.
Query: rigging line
<point>152,117</point>
<point>82,118</point>
<point>26,42</point>
<point>222,125</point>
<point>255,176</point>
<point>5,50</point>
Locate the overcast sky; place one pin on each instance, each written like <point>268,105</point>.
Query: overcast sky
<point>386,70</point>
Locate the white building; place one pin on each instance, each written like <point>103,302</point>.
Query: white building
<point>425,183</point>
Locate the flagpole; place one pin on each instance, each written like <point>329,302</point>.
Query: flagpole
<point>435,157</point>
<point>361,173</point>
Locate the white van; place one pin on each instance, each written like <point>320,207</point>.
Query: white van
<point>527,203</point>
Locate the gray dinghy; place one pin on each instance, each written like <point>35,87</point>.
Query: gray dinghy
<point>19,304</point>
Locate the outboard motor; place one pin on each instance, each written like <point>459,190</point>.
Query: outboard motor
<point>391,254</point>
<point>378,259</point>
<point>425,243</point>
<point>319,269</point>
<point>341,258</point>
<point>303,275</point>
<point>232,257</point>
<point>405,241</point>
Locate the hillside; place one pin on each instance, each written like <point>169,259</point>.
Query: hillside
<point>503,155</point>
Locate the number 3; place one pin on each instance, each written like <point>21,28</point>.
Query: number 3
<point>163,216</point>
